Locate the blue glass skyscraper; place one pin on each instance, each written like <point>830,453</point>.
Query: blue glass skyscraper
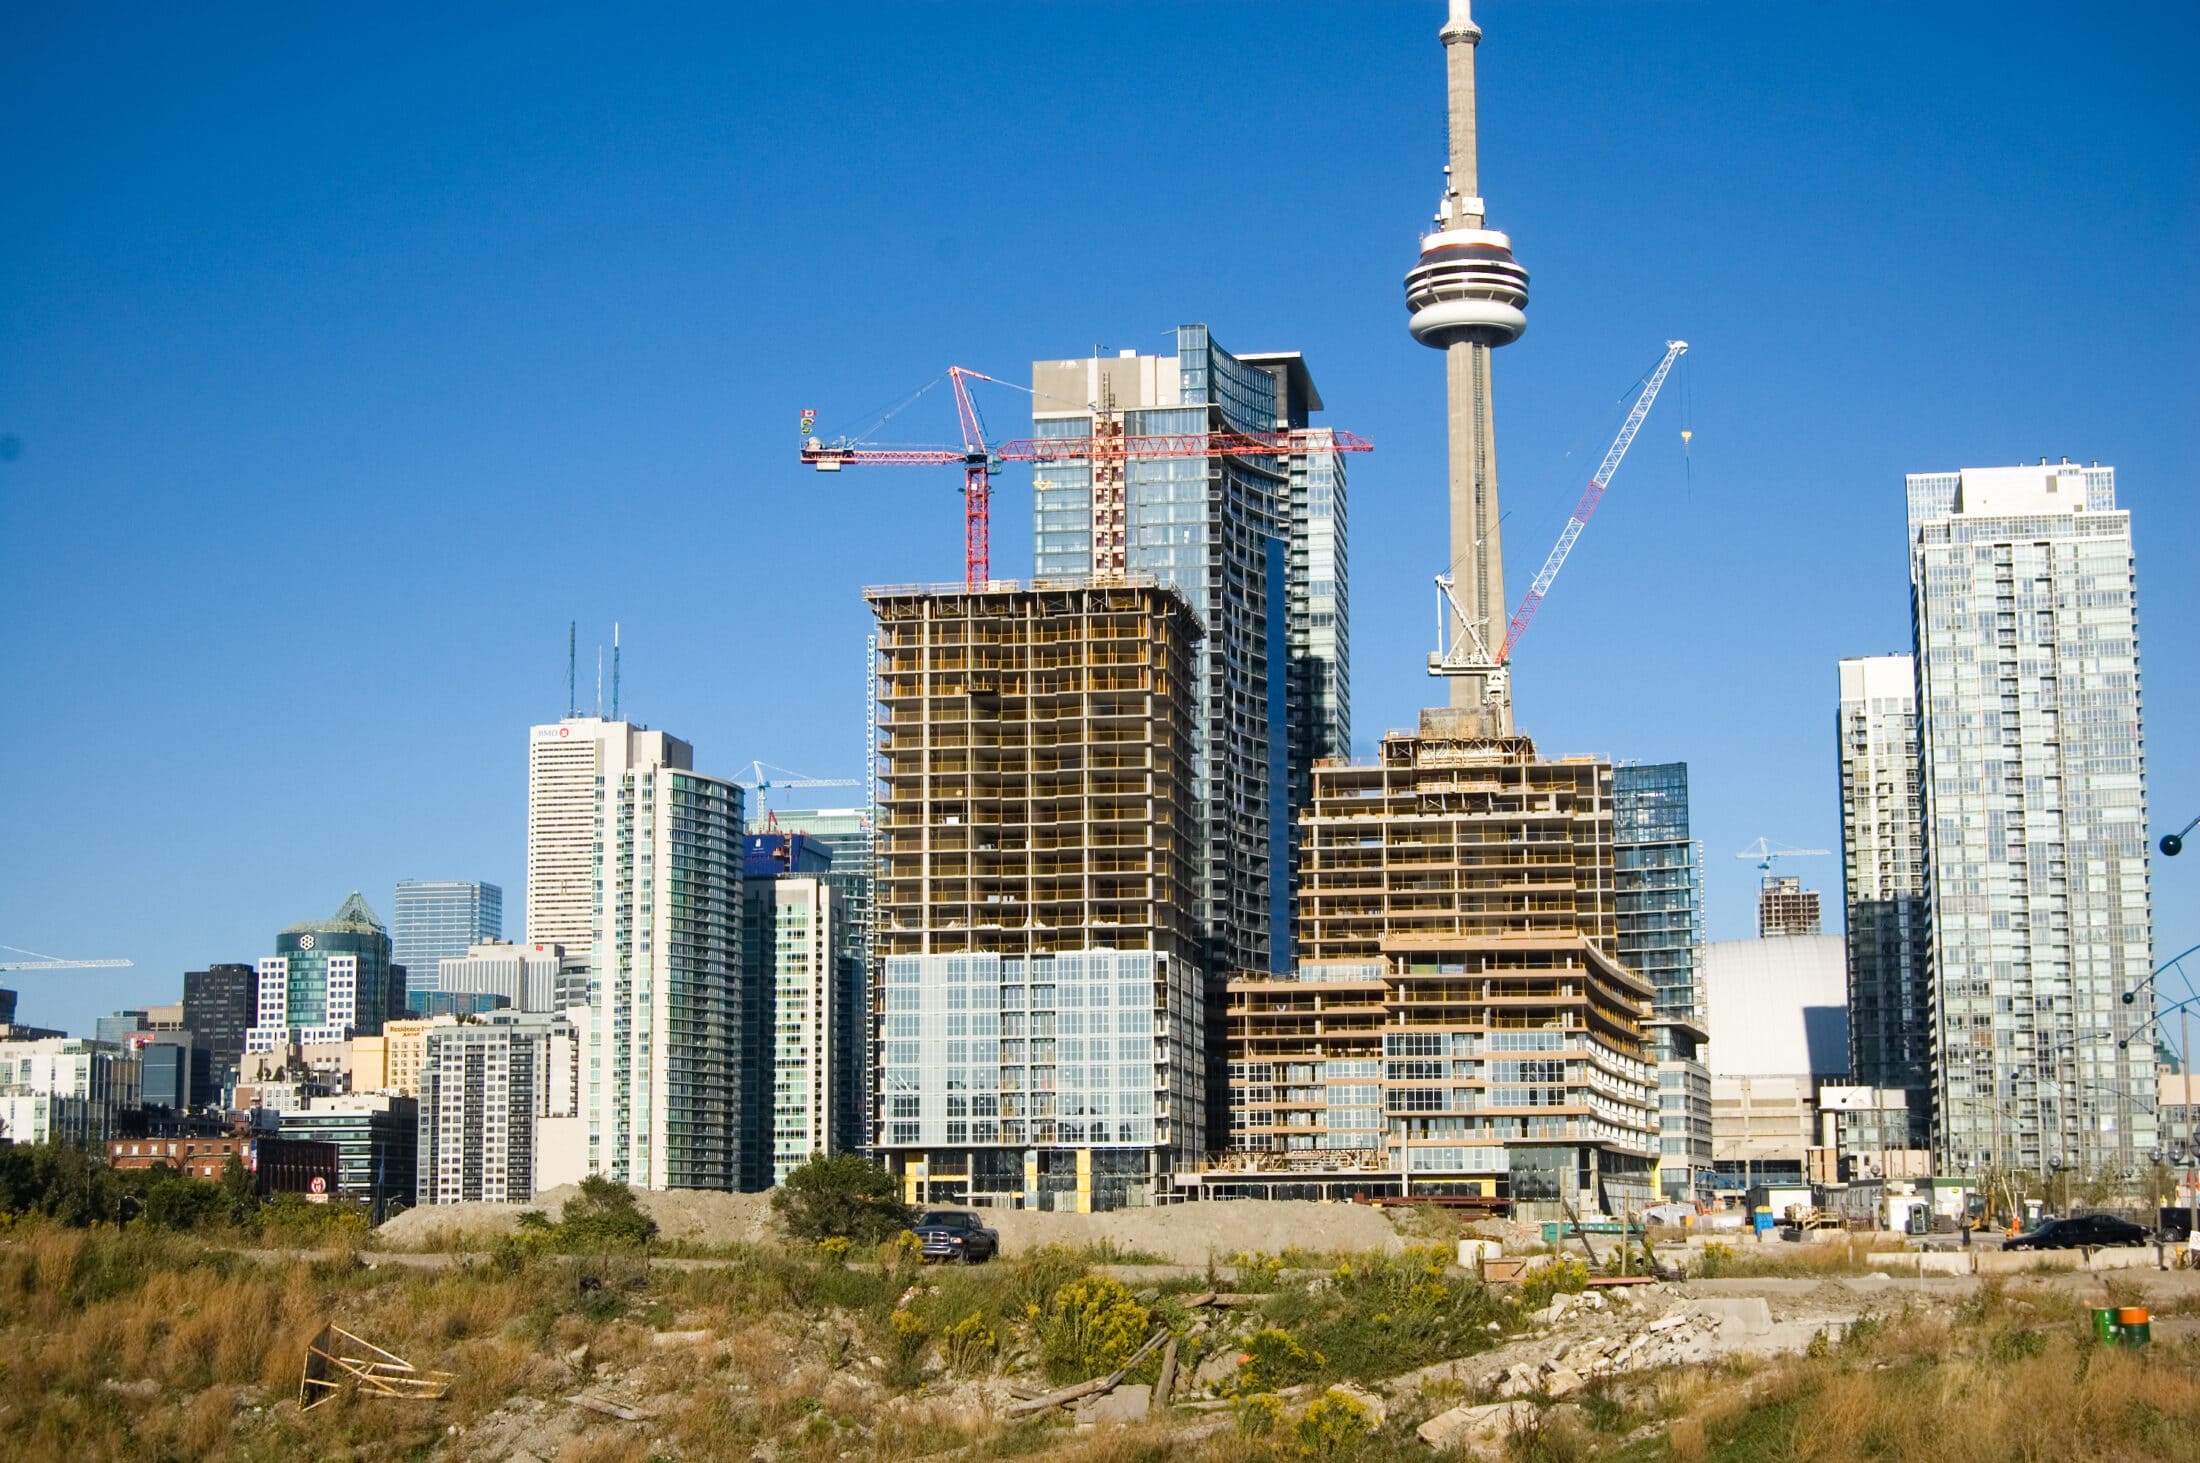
<point>436,920</point>
<point>1658,891</point>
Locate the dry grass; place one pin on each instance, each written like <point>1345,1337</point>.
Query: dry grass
<point>1749,1258</point>
<point>140,1348</point>
<point>2006,1378</point>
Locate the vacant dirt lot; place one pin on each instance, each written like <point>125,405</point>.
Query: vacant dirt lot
<point>1185,1234</point>
<point>694,1215</point>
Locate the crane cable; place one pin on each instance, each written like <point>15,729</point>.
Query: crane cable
<point>1688,428</point>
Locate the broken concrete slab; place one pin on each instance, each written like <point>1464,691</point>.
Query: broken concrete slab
<point>1476,1432</point>
<point>1750,1315</point>
<point>1123,1405</point>
<point>1561,1381</point>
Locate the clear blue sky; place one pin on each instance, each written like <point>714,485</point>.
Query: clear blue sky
<point>350,355</point>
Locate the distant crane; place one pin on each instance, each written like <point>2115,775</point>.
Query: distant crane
<point>55,962</point>
<point>1108,446</point>
<point>1765,851</point>
<point>1456,657</point>
<point>761,785</point>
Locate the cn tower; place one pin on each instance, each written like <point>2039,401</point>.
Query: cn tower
<point>1468,296</point>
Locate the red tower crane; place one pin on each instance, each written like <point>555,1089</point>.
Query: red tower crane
<point>1107,448</point>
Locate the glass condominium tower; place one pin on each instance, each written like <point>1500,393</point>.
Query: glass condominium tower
<point>1883,874</point>
<point>1258,545</point>
<point>2032,773</point>
<point>635,857</point>
<point>439,919</point>
<point>1657,887</point>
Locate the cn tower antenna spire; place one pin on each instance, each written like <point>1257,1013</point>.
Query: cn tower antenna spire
<point>1461,35</point>
<point>1467,296</point>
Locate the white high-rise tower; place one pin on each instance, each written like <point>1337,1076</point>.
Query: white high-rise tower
<point>2033,787</point>
<point>1469,296</point>
<point>636,858</point>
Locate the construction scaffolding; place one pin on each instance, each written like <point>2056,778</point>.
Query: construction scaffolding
<point>1458,1007</point>
<point>1035,768</point>
<point>1042,1037</point>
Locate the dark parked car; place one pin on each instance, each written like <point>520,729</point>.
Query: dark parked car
<point>955,1234</point>
<point>2089,1231</point>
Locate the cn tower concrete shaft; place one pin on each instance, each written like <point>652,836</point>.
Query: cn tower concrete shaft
<point>1478,564</point>
<point>1468,296</point>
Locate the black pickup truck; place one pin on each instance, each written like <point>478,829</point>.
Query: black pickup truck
<point>955,1234</point>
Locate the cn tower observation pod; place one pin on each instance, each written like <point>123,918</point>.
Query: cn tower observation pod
<point>1467,290</point>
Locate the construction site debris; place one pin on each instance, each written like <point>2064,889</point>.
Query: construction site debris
<point>1477,1432</point>
<point>335,1358</point>
<point>1119,1405</point>
<point>1092,1387</point>
<point>609,1408</point>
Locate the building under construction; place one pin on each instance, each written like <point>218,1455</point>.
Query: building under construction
<point>1041,1036</point>
<point>1458,1023</point>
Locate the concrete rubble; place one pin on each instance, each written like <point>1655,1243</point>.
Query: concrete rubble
<point>1583,1339</point>
<point>1477,1432</point>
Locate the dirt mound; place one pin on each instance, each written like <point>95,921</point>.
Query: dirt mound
<point>1183,1234</point>
<point>703,1216</point>
<point>1192,1234</point>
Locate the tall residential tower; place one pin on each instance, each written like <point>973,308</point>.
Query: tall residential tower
<point>1043,1032</point>
<point>1256,543</point>
<point>635,857</point>
<point>2033,781</point>
<point>1883,880</point>
<point>1659,890</point>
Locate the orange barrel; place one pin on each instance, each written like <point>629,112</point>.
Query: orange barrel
<point>2136,1325</point>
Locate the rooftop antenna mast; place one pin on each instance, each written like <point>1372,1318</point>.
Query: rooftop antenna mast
<point>614,670</point>
<point>572,628</point>
<point>599,682</point>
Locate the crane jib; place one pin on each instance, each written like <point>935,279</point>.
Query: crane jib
<point>1580,520</point>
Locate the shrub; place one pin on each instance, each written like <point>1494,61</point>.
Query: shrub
<point>1273,1358</point>
<point>604,1216</point>
<point>183,1203</point>
<point>1380,1315</point>
<point>969,1345</point>
<point>1333,1426</point>
<point>1560,1277</point>
<point>1256,1416</point>
<point>843,1195</point>
<point>1092,1327</point>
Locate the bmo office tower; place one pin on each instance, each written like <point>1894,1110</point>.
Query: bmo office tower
<point>2033,781</point>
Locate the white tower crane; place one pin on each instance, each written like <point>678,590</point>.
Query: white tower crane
<point>1473,653</point>
<point>1764,851</point>
<point>762,785</point>
<point>55,962</point>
